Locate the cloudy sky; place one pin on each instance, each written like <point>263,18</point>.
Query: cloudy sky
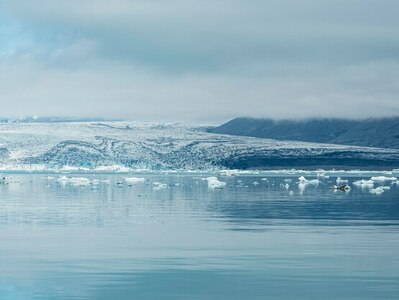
<point>199,61</point>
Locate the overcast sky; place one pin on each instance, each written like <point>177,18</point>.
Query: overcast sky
<point>199,60</point>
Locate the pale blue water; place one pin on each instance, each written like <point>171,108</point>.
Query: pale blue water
<point>186,241</point>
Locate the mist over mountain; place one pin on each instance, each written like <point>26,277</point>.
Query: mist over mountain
<point>382,133</point>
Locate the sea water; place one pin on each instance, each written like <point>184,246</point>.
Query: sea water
<point>173,236</point>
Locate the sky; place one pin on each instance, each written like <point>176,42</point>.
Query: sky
<point>199,61</point>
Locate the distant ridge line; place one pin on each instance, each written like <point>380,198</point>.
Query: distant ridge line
<point>372,132</point>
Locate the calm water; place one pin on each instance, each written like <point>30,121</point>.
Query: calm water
<point>186,241</point>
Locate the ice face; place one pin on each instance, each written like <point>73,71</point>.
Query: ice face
<point>123,146</point>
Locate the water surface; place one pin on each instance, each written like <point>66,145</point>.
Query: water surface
<point>253,239</point>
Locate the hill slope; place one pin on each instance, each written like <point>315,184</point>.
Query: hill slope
<point>382,133</point>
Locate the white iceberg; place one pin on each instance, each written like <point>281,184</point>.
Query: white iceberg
<point>75,181</point>
<point>303,182</point>
<point>377,191</point>
<point>364,183</point>
<point>228,173</point>
<point>215,183</point>
<point>341,181</point>
<point>159,185</point>
<point>383,178</point>
<point>134,180</point>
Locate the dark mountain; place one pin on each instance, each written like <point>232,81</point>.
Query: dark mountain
<point>383,133</point>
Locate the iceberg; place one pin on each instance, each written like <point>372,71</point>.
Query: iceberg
<point>75,181</point>
<point>134,180</point>
<point>215,183</point>
<point>364,183</point>
<point>341,181</point>
<point>383,178</point>
<point>377,191</point>
<point>303,183</point>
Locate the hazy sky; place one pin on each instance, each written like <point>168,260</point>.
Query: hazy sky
<point>199,61</point>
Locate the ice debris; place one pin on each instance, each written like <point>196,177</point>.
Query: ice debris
<point>364,183</point>
<point>341,181</point>
<point>75,181</point>
<point>377,191</point>
<point>215,183</point>
<point>303,182</point>
<point>134,180</point>
<point>383,178</point>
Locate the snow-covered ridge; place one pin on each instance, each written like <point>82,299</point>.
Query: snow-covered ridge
<point>133,145</point>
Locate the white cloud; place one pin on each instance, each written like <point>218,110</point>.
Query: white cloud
<point>200,60</point>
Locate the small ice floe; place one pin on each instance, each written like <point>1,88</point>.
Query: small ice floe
<point>75,181</point>
<point>364,183</point>
<point>228,173</point>
<point>288,180</point>
<point>134,180</point>
<point>264,179</point>
<point>341,181</point>
<point>106,181</point>
<point>255,183</point>
<point>322,175</point>
<point>303,182</point>
<point>63,179</point>
<point>79,181</point>
<point>302,179</point>
<point>383,178</point>
<point>287,186</point>
<point>215,183</point>
<point>159,185</point>
<point>342,188</point>
<point>377,191</point>
<point>291,193</point>
<point>395,182</point>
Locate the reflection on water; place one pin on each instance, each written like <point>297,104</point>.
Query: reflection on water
<point>172,237</point>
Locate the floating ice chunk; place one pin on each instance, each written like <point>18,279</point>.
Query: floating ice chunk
<point>79,181</point>
<point>229,173</point>
<point>377,191</point>
<point>63,179</point>
<point>291,193</point>
<point>106,181</point>
<point>383,178</point>
<point>134,180</point>
<point>214,183</point>
<point>364,183</point>
<point>264,179</point>
<point>385,188</point>
<point>76,181</point>
<point>288,180</point>
<point>287,186</point>
<point>303,182</point>
<point>159,185</point>
<point>341,181</point>
<point>255,183</point>
<point>322,175</point>
<point>302,179</point>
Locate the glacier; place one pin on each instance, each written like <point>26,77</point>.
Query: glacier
<point>123,146</point>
